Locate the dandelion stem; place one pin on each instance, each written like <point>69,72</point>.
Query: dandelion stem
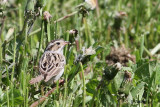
<point>69,15</point>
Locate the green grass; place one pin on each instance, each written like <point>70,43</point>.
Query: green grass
<point>24,34</point>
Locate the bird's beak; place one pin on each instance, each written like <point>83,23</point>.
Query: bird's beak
<point>66,42</point>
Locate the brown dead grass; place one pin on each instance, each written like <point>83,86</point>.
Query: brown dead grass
<point>121,55</point>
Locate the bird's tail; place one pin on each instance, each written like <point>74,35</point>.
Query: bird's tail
<point>37,79</point>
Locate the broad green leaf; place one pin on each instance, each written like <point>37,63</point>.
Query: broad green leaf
<point>126,87</point>
<point>138,90</point>
<point>118,80</point>
<point>152,67</point>
<point>137,55</point>
<point>158,96</point>
<point>18,99</point>
<point>130,98</point>
<point>107,98</point>
<point>115,84</point>
<point>157,77</point>
<point>142,46</point>
<point>143,72</point>
<point>110,72</point>
<point>87,99</point>
<point>111,88</point>
<point>77,101</point>
<point>92,86</point>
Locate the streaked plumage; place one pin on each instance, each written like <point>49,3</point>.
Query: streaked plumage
<point>52,62</point>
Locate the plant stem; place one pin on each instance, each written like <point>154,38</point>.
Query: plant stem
<point>84,86</point>
<point>142,46</point>
<point>7,98</point>
<point>69,15</point>
<point>2,26</point>
<point>87,32</point>
<point>65,91</point>
<point>147,51</point>
<point>12,75</point>
<point>45,96</point>
<point>40,43</point>
<point>67,39</point>
<point>48,32</point>
<point>20,16</point>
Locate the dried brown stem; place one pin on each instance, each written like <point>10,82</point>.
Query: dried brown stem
<point>43,98</point>
<point>77,45</point>
<point>46,95</point>
<point>69,15</point>
<point>97,9</point>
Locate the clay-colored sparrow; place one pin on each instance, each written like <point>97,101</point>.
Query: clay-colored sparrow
<point>51,64</point>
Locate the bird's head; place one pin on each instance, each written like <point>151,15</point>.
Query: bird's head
<point>56,45</point>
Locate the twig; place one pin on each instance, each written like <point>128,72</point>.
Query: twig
<point>77,45</point>
<point>69,15</point>
<point>45,96</point>
<point>34,32</point>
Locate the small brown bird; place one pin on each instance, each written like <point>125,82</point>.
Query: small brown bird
<point>51,64</point>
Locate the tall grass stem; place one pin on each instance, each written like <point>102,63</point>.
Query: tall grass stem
<point>84,86</point>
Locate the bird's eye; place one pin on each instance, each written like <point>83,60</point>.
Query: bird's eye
<point>58,43</point>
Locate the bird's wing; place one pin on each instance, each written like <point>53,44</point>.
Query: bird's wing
<point>51,64</point>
